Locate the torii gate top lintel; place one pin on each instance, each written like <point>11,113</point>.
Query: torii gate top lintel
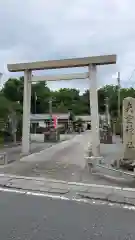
<point>63,63</point>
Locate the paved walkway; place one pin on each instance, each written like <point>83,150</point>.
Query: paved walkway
<point>37,144</point>
<point>14,152</point>
<point>62,161</point>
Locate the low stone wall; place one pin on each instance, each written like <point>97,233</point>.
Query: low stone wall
<point>3,158</point>
<point>53,136</point>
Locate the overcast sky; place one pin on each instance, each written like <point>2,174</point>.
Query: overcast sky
<point>33,30</point>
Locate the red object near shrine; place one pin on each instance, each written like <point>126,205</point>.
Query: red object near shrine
<point>55,122</point>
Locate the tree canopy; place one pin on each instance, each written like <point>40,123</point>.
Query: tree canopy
<point>64,100</point>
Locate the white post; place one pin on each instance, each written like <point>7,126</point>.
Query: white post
<point>94,111</point>
<point>26,112</point>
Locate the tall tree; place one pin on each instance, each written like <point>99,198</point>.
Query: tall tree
<point>40,98</point>
<point>13,89</point>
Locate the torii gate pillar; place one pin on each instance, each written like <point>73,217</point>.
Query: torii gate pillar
<point>94,110</point>
<point>26,112</point>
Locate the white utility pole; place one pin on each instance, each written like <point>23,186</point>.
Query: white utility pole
<point>107,111</point>
<point>35,109</point>
<point>1,75</point>
<point>118,81</point>
<point>50,110</point>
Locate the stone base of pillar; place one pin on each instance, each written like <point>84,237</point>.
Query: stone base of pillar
<point>97,154</point>
<point>92,160</point>
<point>125,163</point>
<point>115,164</point>
<point>95,160</point>
<point>128,159</point>
<point>91,153</point>
<point>129,154</point>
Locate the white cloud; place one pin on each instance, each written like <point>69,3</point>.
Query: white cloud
<point>43,29</point>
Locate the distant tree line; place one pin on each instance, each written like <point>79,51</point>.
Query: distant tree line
<point>63,100</point>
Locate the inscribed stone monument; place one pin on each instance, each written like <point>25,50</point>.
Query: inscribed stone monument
<point>129,128</point>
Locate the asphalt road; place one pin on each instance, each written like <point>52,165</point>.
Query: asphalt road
<point>28,217</point>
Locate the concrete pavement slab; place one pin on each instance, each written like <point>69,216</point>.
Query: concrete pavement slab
<point>116,198</point>
<point>58,191</point>
<point>4,181</point>
<point>97,196</point>
<point>90,191</point>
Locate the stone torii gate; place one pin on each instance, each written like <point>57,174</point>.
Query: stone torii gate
<point>91,62</point>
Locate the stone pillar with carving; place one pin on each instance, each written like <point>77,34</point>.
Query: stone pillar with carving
<point>129,129</point>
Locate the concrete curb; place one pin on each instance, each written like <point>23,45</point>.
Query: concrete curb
<point>76,189</point>
<point>115,179</point>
